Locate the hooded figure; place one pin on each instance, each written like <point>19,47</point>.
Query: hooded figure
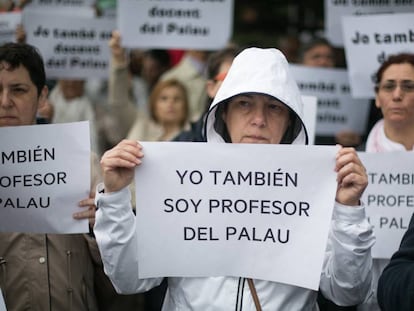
<point>258,97</point>
<point>273,79</point>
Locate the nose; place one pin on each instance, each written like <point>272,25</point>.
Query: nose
<point>259,117</point>
<point>397,93</point>
<point>4,99</point>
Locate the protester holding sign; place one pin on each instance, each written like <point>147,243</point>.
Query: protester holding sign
<point>44,271</point>
<point>258,102</point>
<point>394,132</point>
<point>46,257</point>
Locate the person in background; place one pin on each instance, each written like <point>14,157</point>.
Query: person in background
<point>320,53</point>
<point>266,109</point>
<point>394,96</point>
<point>143,79</point>
<point>289,45</point>
<point>168,107</point>
<point>190,71</point>
<point>218,64</point>
<point>71,104</point>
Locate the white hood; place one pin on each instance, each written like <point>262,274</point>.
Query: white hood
<point>264,71</point>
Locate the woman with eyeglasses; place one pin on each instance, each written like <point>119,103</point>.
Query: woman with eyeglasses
<point>394,96</point>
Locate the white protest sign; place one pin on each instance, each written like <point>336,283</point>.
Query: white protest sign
<point>389,198</point>
<point>310,105</point>
<point>337,110</point>
<point>45,172</point>
<point>79,12</point>
<point>335,9</point>
<point>47,4</point>
<point>250,210</point>
<point>190,24</point>
<point>71,46</point>
<point>2,303</point>
<point>367,46</point>
<point>8,25</point>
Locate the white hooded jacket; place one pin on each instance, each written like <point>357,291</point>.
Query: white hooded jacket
<point>346,276</point>
<point>273,78</point>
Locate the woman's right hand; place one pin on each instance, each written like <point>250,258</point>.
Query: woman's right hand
<point>118,164</point>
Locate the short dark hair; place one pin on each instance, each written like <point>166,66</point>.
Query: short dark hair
<point>161,56</point>
<point>313,43</point>
<point>16,54</point>
<point>401,58</point>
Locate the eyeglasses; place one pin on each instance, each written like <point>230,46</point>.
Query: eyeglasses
<point>407,86</point>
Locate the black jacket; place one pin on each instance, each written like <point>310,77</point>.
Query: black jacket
<point>396,284</point>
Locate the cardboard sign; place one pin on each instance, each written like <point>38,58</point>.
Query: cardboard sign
<point>367,46</point>
<point>242,204</point>
<point>72,47</point>
<point>45,172</point>
<point>337,110</point>
<point>336,9</point>
<point>389,198</point>
<point>199,24</point>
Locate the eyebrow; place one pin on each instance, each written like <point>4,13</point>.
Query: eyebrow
<point>15,84</point>
<point>269,97</point>
<point>403,80</point>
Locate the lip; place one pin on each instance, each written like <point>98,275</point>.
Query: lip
<point>8,119</point>
<point>257,138</point>
<point>396,110</point>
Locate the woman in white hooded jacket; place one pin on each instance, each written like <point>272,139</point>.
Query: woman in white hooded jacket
<point>258,102</point>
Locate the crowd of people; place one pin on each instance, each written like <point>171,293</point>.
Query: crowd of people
<point>200,96</point>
